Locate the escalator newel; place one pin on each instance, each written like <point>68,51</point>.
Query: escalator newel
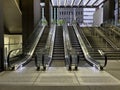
<point>70,68</point>
<point>43,59</point>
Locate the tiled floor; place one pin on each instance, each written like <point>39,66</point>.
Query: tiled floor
<point>86,78</point>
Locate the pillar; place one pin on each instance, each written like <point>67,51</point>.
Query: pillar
<point>30,16</point>
<point>1,37</point>
<point>108,10</point>
<point>47,10</point>
<point>55,13</point>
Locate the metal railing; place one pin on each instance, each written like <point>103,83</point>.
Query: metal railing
<point>44,57</point>
<point>70,54</point>
<point>28,48</point>
<point>85,49</point>
<point>106,39</point>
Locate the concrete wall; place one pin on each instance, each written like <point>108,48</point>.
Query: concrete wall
<point>98,17</point>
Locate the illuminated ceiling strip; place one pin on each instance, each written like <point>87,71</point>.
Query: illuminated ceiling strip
<point>72,2</point>
<point>65,2</point>
<point>102,2</point>
<point>80,2</point>
<point>94,2</point>
<point>87,2</point>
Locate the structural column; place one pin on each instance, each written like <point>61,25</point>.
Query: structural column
<point>1,37</point>
<point>108,10</point>
<point>30,16</point>
<point>47,10</point>
<point>55,13</point>
<point>51,12</point>
<point>117,12</point>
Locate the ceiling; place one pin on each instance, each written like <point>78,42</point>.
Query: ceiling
<point>12,16</point>
<point>77,3</point>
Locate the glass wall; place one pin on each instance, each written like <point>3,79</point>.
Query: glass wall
<point>88,16</point>
<point>70,14</point>
<point>12,42</point>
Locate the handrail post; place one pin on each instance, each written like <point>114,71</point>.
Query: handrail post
<point>43,64</point>
<point>105,56</point>
<point>70,63</point>
<point>76,67</point>
<point>8,60</point>
<point>36,62</point>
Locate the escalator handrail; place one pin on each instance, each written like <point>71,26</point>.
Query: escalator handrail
<point>105,57</point>
<point>69,51</point>
<point>86,39</point>
<point>103,53</point>
<point>48,49</point>
<point>116,27</point>
<point>9,54</point>
<point>50,43</point>
<point>85,51</point>
<point>106,39</point>
<point>29,54</point>
<point>68,61</point>
<point>114,30</point>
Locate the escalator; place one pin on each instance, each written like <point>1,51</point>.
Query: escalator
<point>40,46</point>
<point>42,42</point>
<point>111,48</point>
<point>86,48</point>
<point>34,44</point>
<point>58,59</point>
<point>75,44</point>
<point>95,42</point>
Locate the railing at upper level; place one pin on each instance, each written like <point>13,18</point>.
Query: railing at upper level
<point>87,49</point>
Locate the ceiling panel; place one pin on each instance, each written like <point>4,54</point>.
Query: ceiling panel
<point>98,2</point>
<point>84,3</point>
<point>61,2</point>
<point>76,3</point>
<point>68,3</point>
<point>91,2</point>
